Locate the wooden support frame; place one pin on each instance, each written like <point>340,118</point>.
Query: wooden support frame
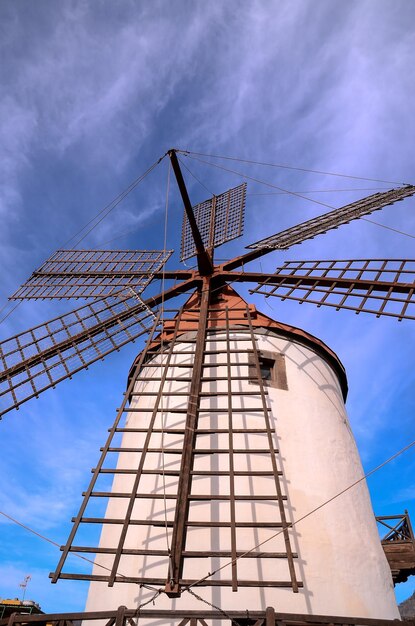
<point>140,468</point>
<point>201,348</point>
<point>77,521</point>
<point>180,518</point>
<point>231,457</point>
<point>285,525</point>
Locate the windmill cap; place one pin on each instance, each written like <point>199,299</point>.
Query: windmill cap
<point>228,307</point>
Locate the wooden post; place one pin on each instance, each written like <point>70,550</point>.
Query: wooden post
<point>182,504</point>
<point>269,616</point>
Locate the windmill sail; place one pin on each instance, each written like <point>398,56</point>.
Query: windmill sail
<point>319,225</point>
<point>43,356</point>
<point>92,273</point>
<point>219,219</point>
<point>384,287</point>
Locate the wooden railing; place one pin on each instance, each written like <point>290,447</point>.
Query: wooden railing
<point>398,542</point>
<point>132,617</point>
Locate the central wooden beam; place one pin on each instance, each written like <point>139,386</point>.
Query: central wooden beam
<point>204,259</point>
<point>185,480</point>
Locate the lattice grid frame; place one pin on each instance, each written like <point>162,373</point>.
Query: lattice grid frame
<point>220,219</point>
<point>383,287</point>
<point>92,273</point>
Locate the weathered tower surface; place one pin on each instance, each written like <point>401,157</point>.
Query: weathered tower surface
<point>211,500</point>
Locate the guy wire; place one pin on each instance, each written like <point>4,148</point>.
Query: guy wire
<point>295,193</point>
<point>261,182</point>
<point>104,212</point>
<point>11,310</point>
<point>54,543</point>
<point>112,205</point>
<point>290,167</point>
<point>195,177</point>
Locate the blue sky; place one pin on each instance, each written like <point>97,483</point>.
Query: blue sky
<point>92,94</point>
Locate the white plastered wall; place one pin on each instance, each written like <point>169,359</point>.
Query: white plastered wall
<point>340,559</point>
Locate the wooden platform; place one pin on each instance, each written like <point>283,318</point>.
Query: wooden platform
<point>399,545</point>
<point>401,558</point>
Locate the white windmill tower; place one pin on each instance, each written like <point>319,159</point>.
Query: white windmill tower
<point>233,427</point>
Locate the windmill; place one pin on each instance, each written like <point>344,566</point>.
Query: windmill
<point>209,391</point>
